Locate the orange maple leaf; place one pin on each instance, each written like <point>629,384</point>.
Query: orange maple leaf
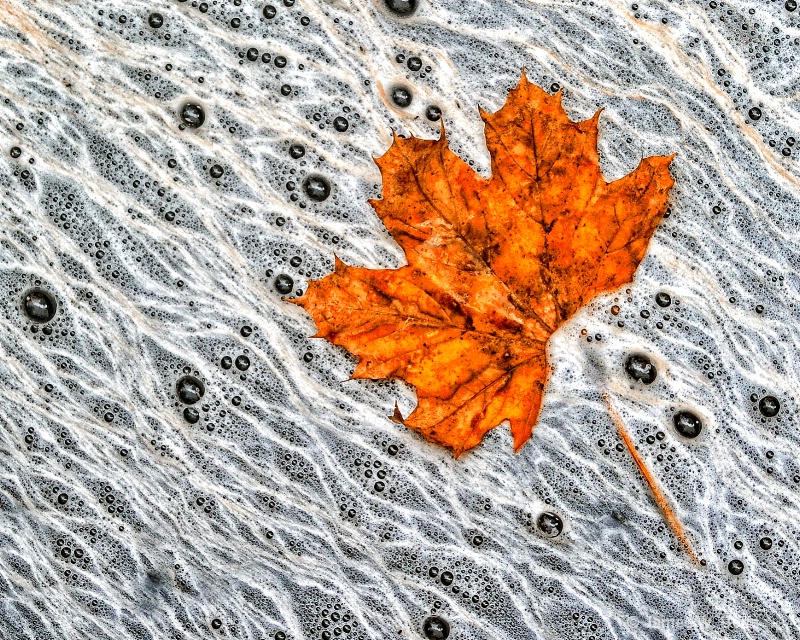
<point>495,266</point>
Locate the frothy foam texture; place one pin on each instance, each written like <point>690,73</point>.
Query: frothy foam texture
<point>179,460</point>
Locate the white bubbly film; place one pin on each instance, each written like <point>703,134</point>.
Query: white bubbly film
<point>283,504</point>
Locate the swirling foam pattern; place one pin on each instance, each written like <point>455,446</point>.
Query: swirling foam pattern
<point>284,504</point>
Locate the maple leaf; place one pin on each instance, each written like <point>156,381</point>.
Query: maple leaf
<point>495,265</point>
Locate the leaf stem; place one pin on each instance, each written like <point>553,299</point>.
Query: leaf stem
<point>669,515</point>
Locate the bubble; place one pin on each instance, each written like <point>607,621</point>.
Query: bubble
<point>736,567</point>
<point>433,113</point>
<point>39,305</point>
<point>392,450</point>
<point>286,89</point>
<point>341,124</point>
<point>242,362</point>
<point>216,171</point>
<point>769,406</point>
<point>226,362</point>
<point>317,188</point>
<point>435,628</point>
<point>550,524</point>
<point>402,96</point>
<point>640,368</point>
<point>790,5</point>
<point>192,115</point>
<point>284,284</point>
<point>765,543</point>
<point>414,63</point>
<point>236,23</point>
<point>663,299</point>
<point>280,62</point>
<point>216,623</point>
<point>401,8</point>
<point>446,578</point>
<point>155,20</point>
<point>297,151</point>
<point>16,152</point>
<point>191,415</point>
<point>477,540</point>
<point>687,424</point>
<point>270,12</point>
<point>252,54</point>
<point>754,113</point>
<point>62,498</point>
<point>190,389</point>
<point>245,331</point>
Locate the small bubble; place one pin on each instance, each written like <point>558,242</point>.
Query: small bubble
<point>270,12</point>
<point>401,8</point>
<point>317,188</point>
<point>446,578</point>
<point>242,362</point>
<point>769,406</point>
<point>790,5</point>
<point>216,171</point>
<point>550,524</point>
<point>754,113</point>
<point>284,284</point>
<point>436,628</point>
<point>297,151</point>
<point>414,63</point>
<point>155,20</point>
<point>402,96</point>
<point>39,305</point>
<point>190,389</point>
<point>663,299</point>
<point>252,54</point>
<point>765,543</point>
<point>687,424</point>
<point>433,113</point>
<point>226,362</point>
<point>735,567</point>
<point>245,331</point>
<point>216,623</point>
<point>62,498</point>
<point>640,368</point>
<point>192,115</point>
<point>16,152</point>
<point>341,124</point>
<point>191,415</point>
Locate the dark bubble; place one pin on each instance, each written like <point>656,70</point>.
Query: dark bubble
<point>446,578</point>
<point>550,524</point>
<point>436,628</point>
<point>663,299</point>
<point>155,20</point>
<point>270,12</point>
<point>296,261</point>
<point>414,63</point>
<point>640,368</point>
<point>242,363</point>
<point>402,96</point>
<point>341,124</point>
<point>285,89</point>
<point>433,113</point>
<point>284,284</point>
<point>769,406</point>
<point>191,415</point>
<point>790,5</point>
<point>392,450</point>
<point>226,362</point>
<point>280,62</point>
<point>754,113</point>
<point>736,567</point>
<point>687,424</point>
<point>252,54</point>
<point>216,171</point>
<point>236,23</point>
<point>477,541</point>
<point>317,188</point>
<point>62,498</point>
<point>190,389</point>
<point>39,305</point>
<point>765,543</point>
<point>192,115</point>
<point>216,623</point>
<point>108,416</point>
<point>16,152</point>
<point>402,8</point>
<point>245,331</point>
<point>297,151</point>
